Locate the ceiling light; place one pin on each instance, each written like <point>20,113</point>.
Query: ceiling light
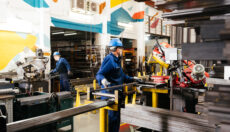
<point>58,33</point>
<point>125,25</point>
<point>69,34</point>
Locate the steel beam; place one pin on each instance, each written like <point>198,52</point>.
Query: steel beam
<point>198,12</point>
<point>164,120</point>
<point>55,117</point>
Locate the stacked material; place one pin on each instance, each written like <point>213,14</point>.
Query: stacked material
<point>218,104</point>
<point>164,120</point>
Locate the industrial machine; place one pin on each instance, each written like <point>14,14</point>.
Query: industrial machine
<point>114,102</point>
<point>25,94</point>
<point>187,78</point>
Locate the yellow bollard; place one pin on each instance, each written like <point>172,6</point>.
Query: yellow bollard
<point>139,74</point>
<point>154,99</point>
<point>94,87</point>
<point>134,96</point>
<point>126,97</point>
<point>104,120</point>
<point>78,99</point>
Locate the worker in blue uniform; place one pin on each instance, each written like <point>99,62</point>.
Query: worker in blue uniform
<point>110,74</point>
<point>63,68</point>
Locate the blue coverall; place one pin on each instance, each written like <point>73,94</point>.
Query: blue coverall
<point>112,71</point>
<point>62,67</point>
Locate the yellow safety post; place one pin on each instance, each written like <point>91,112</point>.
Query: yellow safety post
<point>139,74</point>
<point>94,87</point>
<point>126,97</point>
<point>155,92</point>
<point>143,73</point>
<point>104,120</point>
<point>134,95</point>
<point>154,99</point>
<point>78,99</point>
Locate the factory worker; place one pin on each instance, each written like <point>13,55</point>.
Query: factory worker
<point>110,74</point>
<point>62,68</point>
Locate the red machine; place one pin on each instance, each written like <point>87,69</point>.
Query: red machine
<point>189,74</point>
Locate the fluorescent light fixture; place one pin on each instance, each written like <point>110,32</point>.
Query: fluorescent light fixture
<point>69,34</point>
<point>125,25</point>
<point>58,33</point>
<point>147,35</point>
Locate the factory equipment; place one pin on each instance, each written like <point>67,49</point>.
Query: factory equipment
<point>185,74</point>
<point>114,102</point>
<point>26,94</point>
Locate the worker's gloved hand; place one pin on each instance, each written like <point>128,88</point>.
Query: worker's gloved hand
<point>137,79</point>
<point>105,83</point>
<point>70,73</point>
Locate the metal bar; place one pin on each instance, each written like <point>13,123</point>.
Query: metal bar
<point>34,99</point>
<point>217,81</point>
<point>116,86</point>
<point>104,95</point>
<point>55,117</point>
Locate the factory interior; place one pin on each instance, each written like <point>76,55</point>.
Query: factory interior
<point>114,66</point>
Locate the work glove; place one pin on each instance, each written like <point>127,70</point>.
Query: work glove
<point>105,82</point>
<point>70,73</point>
<point>137,79</point>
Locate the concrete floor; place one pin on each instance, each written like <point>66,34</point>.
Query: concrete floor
<point>87,122</point>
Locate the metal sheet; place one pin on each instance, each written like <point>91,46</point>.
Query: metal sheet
<point>203,51</point>
<point>217,81</point>
<point>164,120</point>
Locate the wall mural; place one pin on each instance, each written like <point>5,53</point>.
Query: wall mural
<point>15,46</point>
<point>37,3</point>
<point>12,44</point>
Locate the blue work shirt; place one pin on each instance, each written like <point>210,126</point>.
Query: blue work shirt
<point>111,70</point>
<point>62,66</point>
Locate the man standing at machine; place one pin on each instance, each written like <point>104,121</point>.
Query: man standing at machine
<point>110,74</point>
<point>63,68</point>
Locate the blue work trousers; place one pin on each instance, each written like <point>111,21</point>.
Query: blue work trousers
<point>64,83</point>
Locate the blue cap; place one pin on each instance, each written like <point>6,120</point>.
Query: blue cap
<point>115,43</point>
<point>56,53</point>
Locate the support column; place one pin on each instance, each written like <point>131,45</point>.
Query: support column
<point>140,35</point>
<point>103,38</point>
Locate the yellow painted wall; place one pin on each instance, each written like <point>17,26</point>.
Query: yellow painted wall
<point>114,3</point>
<point>12,44</point>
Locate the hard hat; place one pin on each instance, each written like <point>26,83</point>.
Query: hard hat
<point>56,53</point>
<point>115,43</point>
